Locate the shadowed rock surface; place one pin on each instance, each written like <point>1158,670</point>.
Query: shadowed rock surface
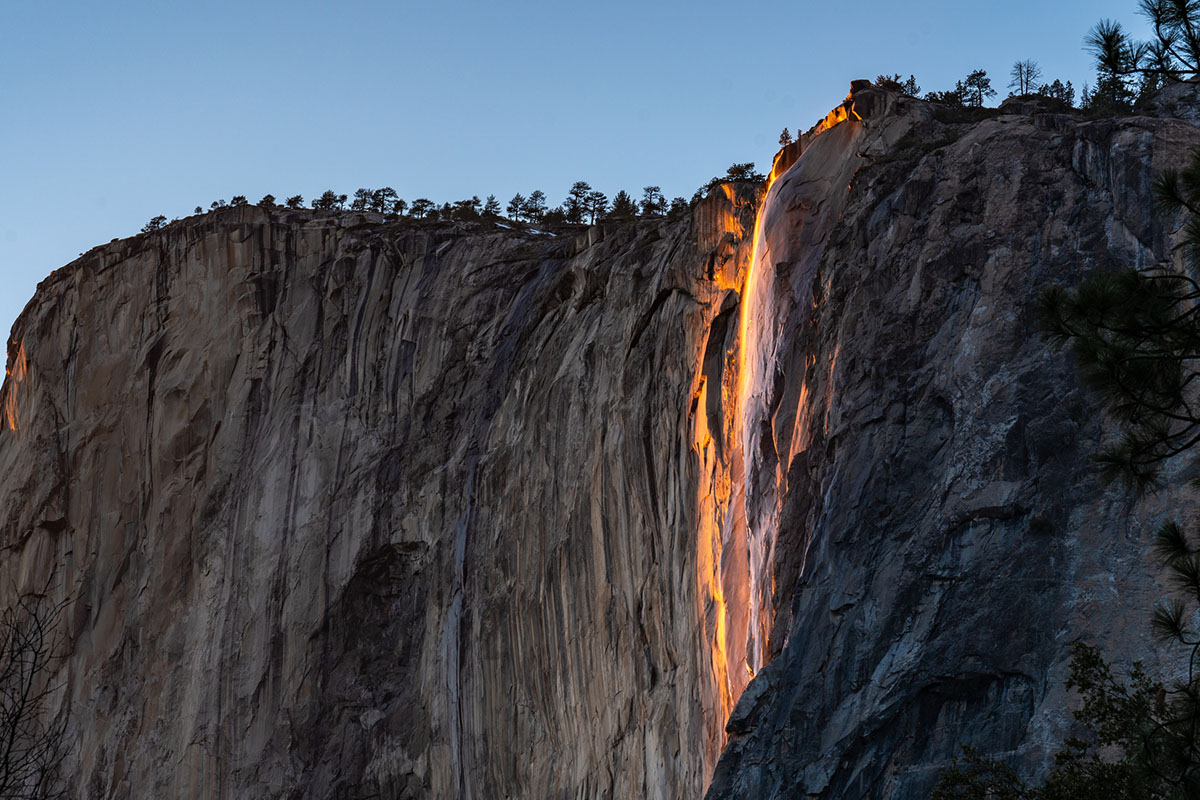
<point>940,509</point>
<point>347,508</point>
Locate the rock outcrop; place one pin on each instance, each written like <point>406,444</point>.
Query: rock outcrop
<point>350,509</point>
<point>347,508</point>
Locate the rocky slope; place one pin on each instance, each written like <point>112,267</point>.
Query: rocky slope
<point>347,508</point>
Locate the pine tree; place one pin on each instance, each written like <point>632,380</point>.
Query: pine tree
<point>1117,56</point>
<point>535,205</point>
<point>597,205</point>
<point>1057,91</point>
<point>895,83</point>
<point>516,207</point>
<point>382,199</point>
<point>295,201</point>
<point>785,138</point>
<point>466,209</point>
<point>623,206</point>
<point>889,82</point>
<point>421,207</point>
<point>362,197</point>
<point>575,205</point>
<point>1135,335</point>
<point>742,172</point>
<point>329,200</point>
<point>978,88</point>
<point>1174,53</point>
<point>654,204</point>
<point>954,98</point>
<point>491,207</point>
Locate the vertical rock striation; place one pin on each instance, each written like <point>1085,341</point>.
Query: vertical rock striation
<point>344,508</point>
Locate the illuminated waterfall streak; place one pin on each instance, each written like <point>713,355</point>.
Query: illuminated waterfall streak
<point>758,336</point>
<point>15,374</point>
<point>716,500</point>
<point>794,221</point>
<point>730,402</point>
<point>721,546</point>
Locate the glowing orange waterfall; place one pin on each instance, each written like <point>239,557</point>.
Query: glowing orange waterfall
<point>15,375</point>
<point>751,419</point>
<point>726,556</point>
<point>756,356</point>
<point>766,413</point>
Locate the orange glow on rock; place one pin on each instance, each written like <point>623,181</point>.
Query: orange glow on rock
<point>723,546</point>
<point>15,375</point>
<point>758,609</point>
<point>748,291</point>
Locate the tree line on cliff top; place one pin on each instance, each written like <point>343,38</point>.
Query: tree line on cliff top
<point>1128,74</point>
<point>582,205</point>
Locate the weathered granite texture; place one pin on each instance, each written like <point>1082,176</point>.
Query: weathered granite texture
<point>347,508</point>
<point>354,509</point>
<point>932,451</point>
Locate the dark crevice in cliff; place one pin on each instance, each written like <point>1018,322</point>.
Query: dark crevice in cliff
<point>643,322</point>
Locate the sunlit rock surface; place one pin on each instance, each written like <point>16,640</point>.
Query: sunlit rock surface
<point>352,509</point>
<point>347,508</point>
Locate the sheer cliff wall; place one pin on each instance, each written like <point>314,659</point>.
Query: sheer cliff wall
<point>345,508</point>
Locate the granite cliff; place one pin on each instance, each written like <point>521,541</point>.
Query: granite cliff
<point>793,502</point>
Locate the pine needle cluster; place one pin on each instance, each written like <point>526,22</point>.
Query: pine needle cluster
<point>1135,335</point>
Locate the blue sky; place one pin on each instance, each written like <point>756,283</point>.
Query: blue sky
<point>113,113</point>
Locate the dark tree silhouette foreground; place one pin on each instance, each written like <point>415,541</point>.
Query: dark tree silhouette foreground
<point>1136,337</point>
<point>31,748</point>
<point>1175,49</point>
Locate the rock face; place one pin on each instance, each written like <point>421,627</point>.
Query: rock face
<point>931,452</point>
<point>346,508</point>
<point>350,509</point>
